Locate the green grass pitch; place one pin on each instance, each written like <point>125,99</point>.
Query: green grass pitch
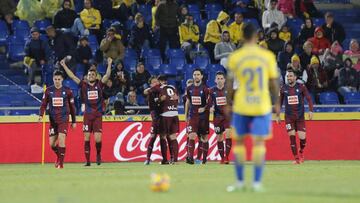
<point>314,181</point>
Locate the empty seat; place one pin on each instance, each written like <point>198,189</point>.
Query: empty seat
<point>215,68</point>
<point>168,70</point>
<point>3,33</point>
<point>145,53</point>
<point>201,61</point>
<point>130,64</point>
<point>329,98</point>
<point>154,61</point>
<point>70,84</point>
<point>177,63</point>
<point>352,98</point>
<point>101,68</point>
<point>213,7</point>
<point>252,21</point>
<point>42,24</point>
<point>175,53</point>
<point>193,8</point>
<point>129,52</point>
<point>22,34</point>
<point>20,25</point>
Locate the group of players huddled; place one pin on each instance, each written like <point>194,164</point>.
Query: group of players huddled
<point>245,102</point>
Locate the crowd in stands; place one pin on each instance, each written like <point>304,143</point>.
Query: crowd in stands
<point>132,32</point>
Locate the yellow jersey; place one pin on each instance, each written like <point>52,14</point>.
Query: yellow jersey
<point>252,67</point>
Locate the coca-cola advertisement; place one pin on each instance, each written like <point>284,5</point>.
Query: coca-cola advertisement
<point>126,141</point>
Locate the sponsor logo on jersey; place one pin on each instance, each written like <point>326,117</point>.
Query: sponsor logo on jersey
<point>293,100</point>
<point>196,100</point>
<point>220,101</point>
<point>92,95</point>
<point>57,101</point>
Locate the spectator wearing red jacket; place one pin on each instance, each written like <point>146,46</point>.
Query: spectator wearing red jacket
<point>287,7</point>
<point>320,43</point>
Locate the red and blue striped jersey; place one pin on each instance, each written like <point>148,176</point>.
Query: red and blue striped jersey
<point>92,97</point>
<point>218,100</point>
<point>61,104</point>
<point>294,100</point>
<point>198,97</point>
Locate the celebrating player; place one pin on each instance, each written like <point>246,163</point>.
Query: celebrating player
<point>294,94</point>
<point>221,123</point>
<point>197,115</point>
<point>153,100</point>
<point>255,70</point>
<point>61,103</point>
<point>92,96</point>
<point>169,120</point>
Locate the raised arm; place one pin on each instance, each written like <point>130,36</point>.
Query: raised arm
<point>72,106</point>
<point>69,72</point>
<point>107,75</point>
<point>44,103</point>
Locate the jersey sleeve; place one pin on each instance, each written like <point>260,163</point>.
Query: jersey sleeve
<point>273,70</point>
<point>187,94</point>
<point>72,106</point>
<point>44,102</point>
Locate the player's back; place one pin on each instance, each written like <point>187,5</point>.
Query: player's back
<point>252,67</point>
<point>169,104</point>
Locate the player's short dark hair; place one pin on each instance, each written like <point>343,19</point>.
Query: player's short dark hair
<point>329,15</point>
<point>249,31</point>
<point>198,69</point>
<point>220,73</point>
<point>151,78</point>
<point>92,70</point>
<point>162,78</point>
<point>58,73</point>
<point>290,70</point>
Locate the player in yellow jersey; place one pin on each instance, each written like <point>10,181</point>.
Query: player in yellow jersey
<point>254,69</point>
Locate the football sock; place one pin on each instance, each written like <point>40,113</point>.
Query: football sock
<point>186,146</point>
<point>163,148</point>
<point>98,147</point>
<point>61,155</point>
<point>191,147</point>
<point>200,150</point>
<point>240,157</point>
<point>220,146</point>
<point>175,149</point>
<point>56,150</point>
<point>259,162</point>
<point>87,151</point>
<point>302,145</point>
<point>228,144</point>
<point>150,147</point>
<point>205,151</point>
<point>293,145</point>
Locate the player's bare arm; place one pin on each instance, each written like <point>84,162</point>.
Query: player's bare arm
<point>106,77</point>
<point>230,94</point>
<point>69,72</point>
<point>278,119</point>
<point>274,90</point>
<point>187,105</point>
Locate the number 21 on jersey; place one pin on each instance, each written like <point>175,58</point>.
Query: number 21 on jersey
<point>254,83</point>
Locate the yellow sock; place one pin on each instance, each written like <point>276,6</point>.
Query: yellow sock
<point>258,153</point>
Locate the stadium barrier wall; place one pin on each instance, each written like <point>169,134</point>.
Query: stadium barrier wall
<point>127,141</point>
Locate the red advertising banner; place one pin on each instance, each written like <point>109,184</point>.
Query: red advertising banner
<point>127,141</point>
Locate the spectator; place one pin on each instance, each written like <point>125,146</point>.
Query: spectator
<point>124,12</point>
<point>353,53</point>
<point>65,17</point>
<point>320,43</point>
<point>36,87</point>
<point>284,57</point>
<point>36,50</point>
<point>131,101</point>
<point>109,89</point>
<point>166,20</point>
<point>333,59</point>
<point>105,8</point>
<point>333,31</point>
<point>62,44</point>
<point>300,73</point>
<point>285,34</point>
<point>261,36</point>
<point>120,77</point>
<point>9,19</point>
<point>111,46</point>
<point>140,78</point>
<point>141,35</point>
<point>224,48</point>
<point>7,7</point>
<point>236,30</point>
<point>83,53</point>
<point>189,36</point>
<point>305,57</point>
<point>183,13</point>
<point>306,9</point>
<point>274,43</point>
<point>91,19</point>
<point>287,8</point>
<point>119,105</point>
<point>273,15</point>
<point>213,33</point>
<point>347,79</point>
<point>317,78</point>
<point>306,32</point>
<point>153,12</point>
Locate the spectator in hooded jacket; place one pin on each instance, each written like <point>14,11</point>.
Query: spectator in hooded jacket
<point>319,41</point>
<point>111,46</point>
<point>306,32</point>
<point>65,17</point>
<point>141,35</point>
<point>354,53</point>
<point>224,48</point>
<point>273,15</point>
<point>347,78</point>
<point>333,59</point>
<point>285,33</point>
<point>287,7</point>
<point>284,57</point>
<point>214,29</point>
<point>333,31</point>
<point>189,35</point>
<point>274,43</point>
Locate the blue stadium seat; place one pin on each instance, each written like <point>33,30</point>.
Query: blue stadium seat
<point>3,33</point>
<point>154,61</point>
<point>130,64</point>
<point>201,61</point>
<point>24,112</point>
<point>202,26</point>
<point>42,25</point>
<point>177,63</point>
<point>294,25</point>
<point>70,84</point>
<point>318,21</point>
<point>17,103</point>
<point>188,69</point>
<point>19,79</point>
<point>352,98</point>
<point>129,52</point>
<point>329,98</point>
<point>16,52</point>
<point>324,109</point>
<point>252,21</point>
<point>32,103</point>
<point>20,25</point>
<point>129,24</point>
<point>101,68</point>
<point>212,7</point>
<point>141,100</point>
<point>145,53</point>
<point>175,53</point>
<point>211,79</point>
<point>80,67</point>
<point>215,68</point>
<point>193,8</point>
<point>22,34</point>
<point>92,40</point>
<point>212,15</point>
<point>168,70</point>
<point>347,109</point>
<point>144,9</point>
